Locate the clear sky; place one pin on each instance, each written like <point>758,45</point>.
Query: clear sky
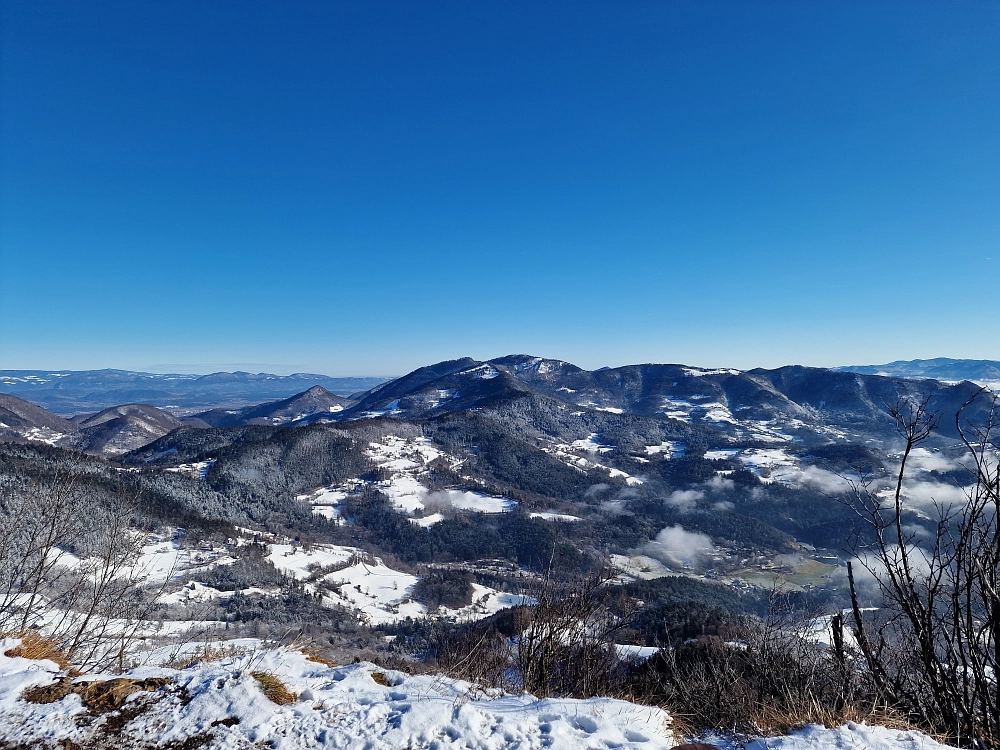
<point>364,187</point>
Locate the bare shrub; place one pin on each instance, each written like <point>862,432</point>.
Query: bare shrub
<point>93,602</point>
<point>561,646</point>
<point>933,650</point>
<point>758,676</point>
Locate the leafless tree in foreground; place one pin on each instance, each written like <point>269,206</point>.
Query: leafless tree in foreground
<point>933,649</point>
<point>92,603</point>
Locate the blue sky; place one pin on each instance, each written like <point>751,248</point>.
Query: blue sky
<point>365,187</point>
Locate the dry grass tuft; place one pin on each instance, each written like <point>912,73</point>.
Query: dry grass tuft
<point>381,679</point>
<point>36,646</point>
<point>319,658</point>
<point>99,696</point>
<point>274,689</point>
<point>773,720</point>
<point>206,653</point>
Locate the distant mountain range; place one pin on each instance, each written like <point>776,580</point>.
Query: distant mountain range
<point>68,392</point>
<point>809,406</point>
<point>941,368</point>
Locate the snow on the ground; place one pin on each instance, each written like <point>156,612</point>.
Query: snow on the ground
<point>336,707</point>
<point>697,372</point>
<point>485,602</point>
<point>159,561</point>
<point>375,591</point>
<point>193,591</point>
<point>568,454</point>
<point>546,515</point>
<point>195,470</point>
<point>850,736</point>
<point>428,521</point>
<point>43,435</point>
<point>405,461</point>
<point>217,699</point>
<point>675,409</point>
<point>591,445</point>
<point>640,566</point>
<point>162,558</point>
<point>776,465</point>
<point>635,653</point>
<point>672,448</point>
<point>722,453</point>
<point>324,501</point>
<point>483,371</point>
<point>479,501</point>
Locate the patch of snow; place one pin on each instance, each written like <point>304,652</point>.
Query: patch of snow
<point>480,502</point>
<point>721,453</point>
<point>640,567</point>
<point>336,707</point>
<point>43,435</point>
<point>428,521</point>
<point>672,448</point>
<point>195,470</point>
<point>635,653</point>
<point>850,736</point>
<point>697,372</point>
<point>590,445</point>
<point>550,516</point>
<point>484,372</point>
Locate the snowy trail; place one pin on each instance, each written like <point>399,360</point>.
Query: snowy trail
<point>337,707</point>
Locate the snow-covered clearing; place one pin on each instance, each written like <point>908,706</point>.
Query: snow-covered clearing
<point>697,372</point>
<point>672,448</point>
<point>591,445</point>
<point>640,567</point>
<point>196,470</point>
<point>375,591</point>
<point>404,461</point>
<point>355,706</point>
<point>635,653</point>
<point>546,515</point>
<point>478,501</point>
<point>568,454</point>
<point>43,435</point>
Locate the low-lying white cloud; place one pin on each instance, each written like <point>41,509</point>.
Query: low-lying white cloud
<point>926,497</point>
<point>675,546</point>
<point>922,459</point>
<point>719,484</point>
<point>684,500</point>
<point>596,489</point>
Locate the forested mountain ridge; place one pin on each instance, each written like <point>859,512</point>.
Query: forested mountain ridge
<point>315,402</point>
<point>805,403</point>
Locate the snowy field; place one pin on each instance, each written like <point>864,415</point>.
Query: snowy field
<point>376,592</point>
<point>570,454</point>
<point>405,461</point>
